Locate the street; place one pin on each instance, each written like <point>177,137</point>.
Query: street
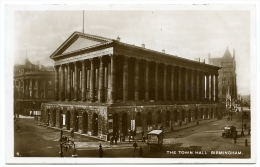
<point>198,141</point>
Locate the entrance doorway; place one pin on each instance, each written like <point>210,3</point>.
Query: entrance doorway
<point>95,124</point>
<point>189,119</point>
<point>76,121</point>
<point>115,124</point>
<point>196,113</point>
<point>124,123</point>
<point>49,115</point>
<point>54,118</point>
<point>85,122</point>
<point>60,118</point>
<point>168,118</point>
<point>68,120</point>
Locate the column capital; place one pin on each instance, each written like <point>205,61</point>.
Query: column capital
<point>82,61</point>
<point>126,57</point>
<point>113,55</point>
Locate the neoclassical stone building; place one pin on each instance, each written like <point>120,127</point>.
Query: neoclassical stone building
<point>33,85</point>
<point>105,86</point>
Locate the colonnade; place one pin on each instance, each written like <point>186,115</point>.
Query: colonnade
<point>30,88</point>
<point>113,78</point>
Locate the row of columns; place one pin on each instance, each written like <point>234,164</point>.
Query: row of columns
<point>27,85</point>
<point>197,88</point>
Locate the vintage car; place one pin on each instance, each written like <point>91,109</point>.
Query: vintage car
<point>155,139</point>
<point>229,131</point>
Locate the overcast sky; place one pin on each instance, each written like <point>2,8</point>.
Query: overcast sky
<point>185,33</point>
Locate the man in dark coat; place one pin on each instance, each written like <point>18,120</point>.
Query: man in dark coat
<point>72,133</point>
<point>100,151</point>
<point>135,145</point>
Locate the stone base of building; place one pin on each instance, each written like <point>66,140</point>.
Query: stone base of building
<point>106,120</point>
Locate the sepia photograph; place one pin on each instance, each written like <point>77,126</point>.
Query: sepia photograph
<point>130,83</point>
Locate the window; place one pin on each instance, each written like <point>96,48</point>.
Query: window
<point>49,83</point>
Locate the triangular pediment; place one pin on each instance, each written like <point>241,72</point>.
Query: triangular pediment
<point>79,41</point>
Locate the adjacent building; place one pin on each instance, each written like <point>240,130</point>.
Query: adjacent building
<point>104,86</point>
<point>227,77</point>
<point>33,85</point>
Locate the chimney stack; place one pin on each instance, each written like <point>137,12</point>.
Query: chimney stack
<point>143,45</point>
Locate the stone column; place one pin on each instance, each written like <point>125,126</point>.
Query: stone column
<point>147,81</point>
<point>137,79</point>
<point>192,85</point>
<point>56,83</point>
<point>185,84</point>
<point>198,85</point>
<point>156,82</point>
<point>101,81</point>
<point>207,87</point>
<point>62,87</point>
<point>37,88</point>
<point>31,86</point>
<point>212,87</point>
<point>113,78</point>
<point>179,85</point>
<point>216,87</point>
<point>75,81</point>
<point>92,81</point>
<point>165,83</point>
<point>44,90</point>
<point>83,82</point>
<point>203,86</point>
<point>125,79</point>
<point>68,98</point>
<point>172,83</point>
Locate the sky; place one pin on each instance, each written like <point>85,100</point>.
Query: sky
<point>185,33</point>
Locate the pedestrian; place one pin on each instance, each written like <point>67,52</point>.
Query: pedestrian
<point>135,145</point>
<point>235,138</point>
<point>116,138</point>
<point>100,151</point>
<point>111,140</point>
<point>245,125</point>
<point>61,133</point>
<point>72,133</point>
<point>143,139</point>
<point>141,151</point>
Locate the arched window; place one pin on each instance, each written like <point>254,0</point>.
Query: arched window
<point>138,119</point>
<point>158,119</point>
<point>149,118</point>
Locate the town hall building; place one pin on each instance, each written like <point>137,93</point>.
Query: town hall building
<point>105,86</point>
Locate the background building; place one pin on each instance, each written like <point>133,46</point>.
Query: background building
<point>104,86</point>
<point>227,78</point>
<point>33,85</point>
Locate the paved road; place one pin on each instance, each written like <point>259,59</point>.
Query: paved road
<point>198,142</point>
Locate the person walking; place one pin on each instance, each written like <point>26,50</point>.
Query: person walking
<point>72,133</point>
<point>245,125</point>
<point>141,151</point>
<point>135,145</point>
<point>61,133</point>
<point>116,138</point>
<point>235,138</point>
<point>100,151</point>
<point>143,139</point>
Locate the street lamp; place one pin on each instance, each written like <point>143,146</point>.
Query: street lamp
<point>242,132</point>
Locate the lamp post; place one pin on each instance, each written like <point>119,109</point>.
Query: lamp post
<point>242,132</point>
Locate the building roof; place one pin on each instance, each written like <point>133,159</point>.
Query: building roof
<point>227,55</point>
<point>118,48</point>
